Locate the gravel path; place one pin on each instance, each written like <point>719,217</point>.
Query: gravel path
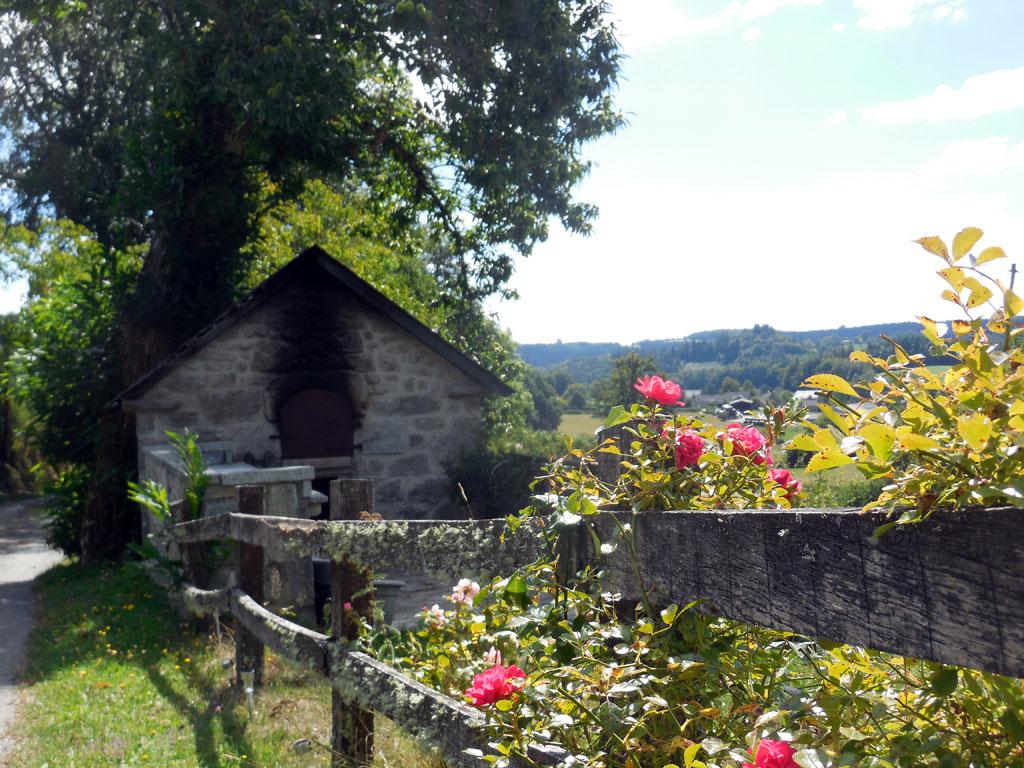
<point>23,556</point>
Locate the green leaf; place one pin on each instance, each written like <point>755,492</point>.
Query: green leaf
<point>668,615</point>
<point>504,705</point>
<point>830,383</point>
<point>944,681</point>
<point>811,758</point>
<point>617,415</point>
<point>1012,725</point>
<point>880,439</point>
<point>964,240</point>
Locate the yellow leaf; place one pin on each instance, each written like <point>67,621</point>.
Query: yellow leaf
<point>1013,303</point>
<point>934,245</point>
<point>931,329</point>
<point>964,241</point>
<point>830,383</point>
<point>975,429</point>
<point>960,327</point>
<point>911,441</point>
<point>803,443</point>
<point>954,276</point>
<point>979,293</point>
<point>948,295</point>
<point>824,440</point>
<point>880,438</point>
<point>828,460</point>
<point>843,423</point>
<point>990,254</point>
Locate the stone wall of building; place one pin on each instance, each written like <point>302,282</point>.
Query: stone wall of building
<point>414,407</point>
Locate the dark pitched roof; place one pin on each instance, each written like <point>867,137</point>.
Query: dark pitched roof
<point>315,258</point>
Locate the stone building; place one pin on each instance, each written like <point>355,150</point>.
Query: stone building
<point>312,376</point>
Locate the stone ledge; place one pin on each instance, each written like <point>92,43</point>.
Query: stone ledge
<point>240,473</point>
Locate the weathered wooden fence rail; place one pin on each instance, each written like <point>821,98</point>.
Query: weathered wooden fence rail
<point>950,590</point>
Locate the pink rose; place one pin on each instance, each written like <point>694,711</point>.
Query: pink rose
<point>773,754</point>
<point>494,685</point>
<point>346,606</point>
<point>747,441</point>
<point>465,592</point>
<point>659,390</point>
<point>435,616</point>
<point>785,478</point>
<point>689,447</point>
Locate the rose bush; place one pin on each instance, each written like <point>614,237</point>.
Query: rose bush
<point>644,686</point>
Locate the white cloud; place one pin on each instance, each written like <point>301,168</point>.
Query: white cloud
<point>980,95</point>
<point>975,157</point>
<point>837,26</point>
<point>895,14</point>
<point>836,117</point>
<point>643,23</point>
<point>676,258</point>
<point>752,34</point>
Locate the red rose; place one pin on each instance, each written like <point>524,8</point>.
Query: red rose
<point>494,685</point>
<point>689,447</point>
<point>659,390</point>
<point>773,754</point>
<point>747,441</point>
<point>785,478</point>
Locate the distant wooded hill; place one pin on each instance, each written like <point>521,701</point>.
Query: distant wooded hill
<point>760,356</point>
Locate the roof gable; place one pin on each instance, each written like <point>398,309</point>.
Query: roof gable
<point>315,259</point>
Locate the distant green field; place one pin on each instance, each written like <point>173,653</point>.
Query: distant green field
<point>834,477</point>
<point>579,424</point>
<point>584,423</point>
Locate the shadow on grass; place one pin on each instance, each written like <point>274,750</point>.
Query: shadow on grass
<point>114,613</point>
<point>220,705</point>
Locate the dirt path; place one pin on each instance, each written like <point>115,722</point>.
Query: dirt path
<point>23,556</point>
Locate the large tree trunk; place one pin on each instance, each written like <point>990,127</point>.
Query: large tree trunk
<point>111,521</point>
<point>189,276</point>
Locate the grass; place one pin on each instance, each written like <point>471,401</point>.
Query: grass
<point>114,679</point>
<point>577,424</point>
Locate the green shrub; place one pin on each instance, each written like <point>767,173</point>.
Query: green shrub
<point>938,440</point>
<point>65,508</point>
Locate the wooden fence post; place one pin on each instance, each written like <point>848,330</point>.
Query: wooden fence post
<point>351,726</point>
<point>249,567</point>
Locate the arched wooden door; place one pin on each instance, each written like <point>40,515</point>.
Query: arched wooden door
<point>316,424</point>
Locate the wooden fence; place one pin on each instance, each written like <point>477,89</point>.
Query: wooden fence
<point>950,590</point>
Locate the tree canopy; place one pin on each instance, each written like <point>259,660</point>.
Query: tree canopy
<point>163,122</point>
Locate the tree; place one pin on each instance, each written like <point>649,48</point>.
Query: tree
<point>547,405</point>
<point>617,388</point>
<point>576,397</point>
<point>177,125</point>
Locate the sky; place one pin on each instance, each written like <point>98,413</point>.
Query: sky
<point>780,158</point>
